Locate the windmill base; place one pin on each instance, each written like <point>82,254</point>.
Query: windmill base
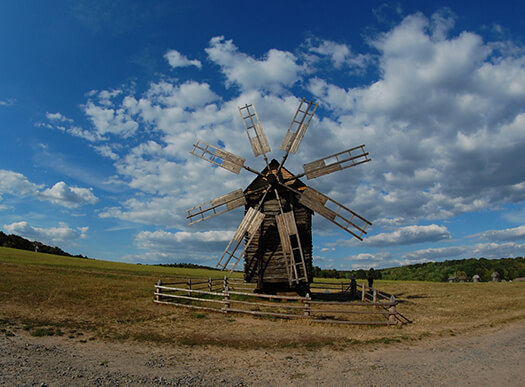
<point>302,288</point>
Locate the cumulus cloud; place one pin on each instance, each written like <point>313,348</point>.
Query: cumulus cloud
<point>15,183</point>
<point>450,107</point>
<point>110,121</point>
<point>409,235</point>
<point>58,117</point>
<point>436,253</point>
<point>67,196</point>
<point>183,246</point>
<point>274,71</point>
<point>509,234</point>
<point>176,59</point>
<point>339,54</point>
<point>51,235</point>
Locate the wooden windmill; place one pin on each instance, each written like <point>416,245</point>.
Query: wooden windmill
<point>275,236</point>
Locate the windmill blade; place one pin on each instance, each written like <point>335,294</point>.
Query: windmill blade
<point>217,156</point>
<point>216,206</point>
<point>254,129</point>
<point>246,231</point>
<point>336,162</point>
<point>335,212</point>
<point>297,129</point>
<point>292,249</point>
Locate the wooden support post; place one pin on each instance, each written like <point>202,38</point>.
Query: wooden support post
<point>392,312</point>
<point>158,296</point>
<point>225,284</point>
<point>189,286</point>
<point>227,302</point>
<point>374,298</point>
<point>210,285</point>
<point>363,291</point>
<point>307,305</point>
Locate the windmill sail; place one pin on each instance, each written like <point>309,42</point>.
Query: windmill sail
<point>249,225</point>
<point>297,129</point>
<point>292,249</point>
<point>217,156</point>
<point>216,206</point>
<point>338,214</point>
<point>254,129</point>
<point>336,162</point>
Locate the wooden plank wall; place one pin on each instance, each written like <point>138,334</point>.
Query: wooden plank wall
<point>266,246</point>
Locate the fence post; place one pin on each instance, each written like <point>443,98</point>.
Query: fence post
<point>227,301</point>
<point>374,298</point>
<point>210,284</point>
<point>363,291</point>
<point>307,306</point>
<point>225,284</point>
<point>189,286</point>
<point>392,311</point>
<point>157,295</point>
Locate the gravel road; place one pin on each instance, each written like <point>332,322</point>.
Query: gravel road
<point>481,358</point>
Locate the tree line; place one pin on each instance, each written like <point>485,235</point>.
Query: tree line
<point>507,268</point>
<point>17,242</point>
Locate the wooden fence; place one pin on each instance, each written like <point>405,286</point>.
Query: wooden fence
<point>235,296</point>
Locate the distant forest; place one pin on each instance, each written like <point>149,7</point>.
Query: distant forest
<point>507,268</point>
<point>17,242</point>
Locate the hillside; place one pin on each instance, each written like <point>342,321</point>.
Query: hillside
<point>17,242</point>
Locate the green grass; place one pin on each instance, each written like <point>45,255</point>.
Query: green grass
<point>114,301</point>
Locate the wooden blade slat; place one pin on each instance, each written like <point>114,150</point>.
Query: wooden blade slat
<point>246,230</point>
<point>297,128</point>
<point>254,129</point>
<point>336,162</point>
<point>217,156</point>
<point>338,214</point>
<point>216,206</point>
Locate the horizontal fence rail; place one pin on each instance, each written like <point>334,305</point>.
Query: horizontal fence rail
<point>371,307</point>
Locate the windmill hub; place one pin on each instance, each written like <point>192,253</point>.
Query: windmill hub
<point>273,179</point>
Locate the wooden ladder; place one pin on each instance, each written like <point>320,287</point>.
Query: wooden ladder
<point>292,249</point>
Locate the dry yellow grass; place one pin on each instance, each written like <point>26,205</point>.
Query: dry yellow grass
<point>113,301</point>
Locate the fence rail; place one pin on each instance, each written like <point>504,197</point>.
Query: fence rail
<point>220,295</point>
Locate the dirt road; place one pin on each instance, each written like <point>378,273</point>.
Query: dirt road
<point>488,357</point>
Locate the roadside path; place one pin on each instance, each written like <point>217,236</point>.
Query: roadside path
<point>490,357</point>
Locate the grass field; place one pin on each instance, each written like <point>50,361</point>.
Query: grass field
<point>92,300</point>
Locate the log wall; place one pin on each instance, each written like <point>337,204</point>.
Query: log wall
<point>264,259</point>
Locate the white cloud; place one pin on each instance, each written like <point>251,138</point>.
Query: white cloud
<point>276,70</point>
<point>110,121</point>
<point>339,54</point>
<point>51,235</point>
<point>441,253</point>
<point>176,59</point>
<point>15,183</point>
<point>58,117</point>
<point>498,250</point>
<point>509,234</point>
<point>187,95</point>
<point>201,247</point>
<point>409,235</point>
<point>106,151</point>
<point>9,102</point>
<point>67,196</point>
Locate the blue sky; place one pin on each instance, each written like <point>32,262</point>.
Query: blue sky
<point>100,102</point>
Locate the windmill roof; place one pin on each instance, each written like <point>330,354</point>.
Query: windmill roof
<point>259,182</point>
